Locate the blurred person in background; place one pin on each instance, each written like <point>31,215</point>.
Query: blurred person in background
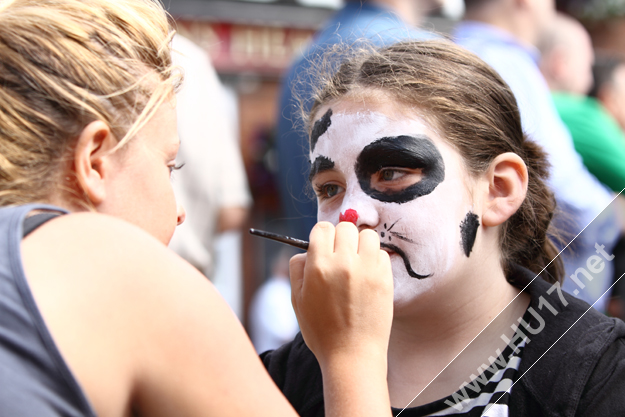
<point>382,22</point>
<point>505,33</point>
<point>609,85</point>
<point>213,185</point>
<point>567,64</point>
<point>272,319</point>
<point>567,58</point>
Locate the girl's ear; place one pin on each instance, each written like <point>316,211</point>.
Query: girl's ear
<point>95,143</point>
<point>507,187</point>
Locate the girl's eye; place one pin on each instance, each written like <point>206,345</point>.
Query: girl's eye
<point>391,180</point>
<point>331,190</point>
<point>390,174</point>
<point>328,190</point>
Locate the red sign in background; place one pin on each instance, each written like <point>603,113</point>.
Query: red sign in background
<point>236,48</point>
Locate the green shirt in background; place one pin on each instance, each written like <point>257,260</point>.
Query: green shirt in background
<point>597,137</point>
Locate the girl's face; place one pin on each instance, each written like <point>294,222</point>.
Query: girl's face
<point>392,173</point>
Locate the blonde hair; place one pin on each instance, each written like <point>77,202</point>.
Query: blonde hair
<point>66,63</point>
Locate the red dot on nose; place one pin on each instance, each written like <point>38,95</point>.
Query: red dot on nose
<point>350,215</point>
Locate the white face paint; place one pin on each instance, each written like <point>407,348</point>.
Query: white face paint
<point>403,181</point>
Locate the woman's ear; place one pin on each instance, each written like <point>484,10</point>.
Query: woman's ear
<point>95,143</point>
<point>507,187</point>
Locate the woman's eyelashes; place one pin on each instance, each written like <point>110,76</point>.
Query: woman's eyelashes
<point>175,167</point>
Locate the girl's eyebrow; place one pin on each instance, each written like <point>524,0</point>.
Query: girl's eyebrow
<point>321,164</point>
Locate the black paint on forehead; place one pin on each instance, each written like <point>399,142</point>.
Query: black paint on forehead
<point>319,128</point>
<point>468,232</point>
<point>320,164</point>
<point>412,152</point>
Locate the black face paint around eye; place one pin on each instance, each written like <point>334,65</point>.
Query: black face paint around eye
<point>468,231</point>
<point>401,152</point>
<point>320,164</point>
<point>319,128</point>
<point>404,257</point>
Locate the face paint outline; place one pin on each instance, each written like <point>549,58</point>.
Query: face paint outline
<point>396,249</point>
<point>404,258</point>
<point>319,128</point>
<point>319,165</point>
<point>395,234</point>
<point>345,140</point>
<point>468,232</point>
<point>393,152</point>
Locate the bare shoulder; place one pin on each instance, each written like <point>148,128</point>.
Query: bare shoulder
<point>85,253</point>
<point>99,263</point>
<point>99,246</point>
<point>101,231</point>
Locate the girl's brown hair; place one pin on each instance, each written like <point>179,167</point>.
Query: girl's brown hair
<point>475,111</point>
<point>64,64</point>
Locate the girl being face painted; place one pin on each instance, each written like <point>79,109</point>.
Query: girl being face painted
<point>381,169</point>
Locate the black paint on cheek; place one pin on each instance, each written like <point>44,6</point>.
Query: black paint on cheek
<point>319,128</point>
<point>468,231</point>
<point>414,152</point>
<point>320,164</point>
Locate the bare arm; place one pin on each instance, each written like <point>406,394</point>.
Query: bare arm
<point>342,292</point>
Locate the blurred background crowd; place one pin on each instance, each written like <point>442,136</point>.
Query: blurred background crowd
<point>244,147</point>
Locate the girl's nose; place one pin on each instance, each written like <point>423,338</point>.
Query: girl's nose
<point>350,215</point>
<point>361,211</point>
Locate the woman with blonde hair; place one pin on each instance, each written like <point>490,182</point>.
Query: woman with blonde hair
<point>97,316</point>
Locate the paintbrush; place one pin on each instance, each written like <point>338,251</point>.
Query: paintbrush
<point>302,244</point>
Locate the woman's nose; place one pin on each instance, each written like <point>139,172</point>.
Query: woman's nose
<point>181,215</point>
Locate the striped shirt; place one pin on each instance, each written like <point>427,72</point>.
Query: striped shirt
<point>487,395</point>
